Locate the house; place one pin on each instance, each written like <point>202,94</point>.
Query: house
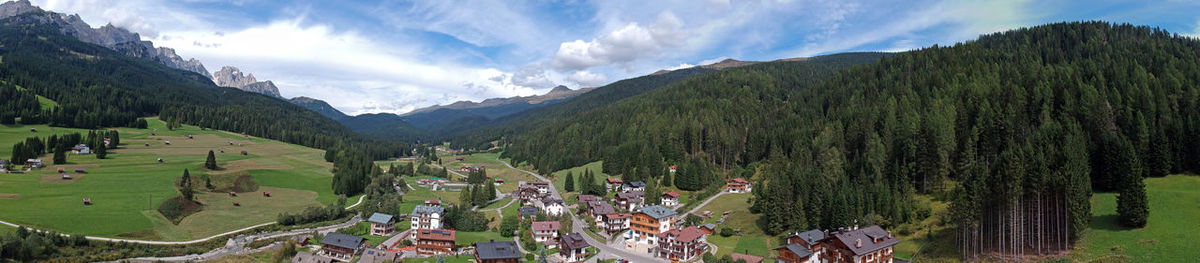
<point>340,246</point>
<point>543,188</point>
<point>681,244</point>
<point>584,199</point>
<point>81,149</point>
<point>427,216</point>
<point>497,252</point>
<point>382,224</point>
<point>629,200</point>
<point>573,248</point>
<point>499,181</point>
<point>614,184</point>
<point>737,185</point>
<point>709,228</point>
<point>3,164</point>
<point>546,232</point>
<point>739,256</point>
<point>301,240</point>
<point>670,199</point>
<point>423,182</point>
<point>802,247</point>
<point>647,224</point>
<point>869,244</point>
<point>306,257</point>
<point>637,186</point>
<point>614,223</point>
<point>34,163</point>
<point>597,210</point>
<point>528,195</point>
<point>673,168</point>
<point>435,241</point>
<point>374,255</point>
<point>553,207</point>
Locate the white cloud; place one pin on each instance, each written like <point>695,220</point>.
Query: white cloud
<point>585,78</point>
<point>681,66</point>
<point>533,76</point>
<point>622,46</point>
<point>348,70</point>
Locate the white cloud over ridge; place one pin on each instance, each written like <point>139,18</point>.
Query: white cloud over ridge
<point>586,78</point>
<point>622,46</point>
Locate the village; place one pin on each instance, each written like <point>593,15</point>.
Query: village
<point>618,227</point>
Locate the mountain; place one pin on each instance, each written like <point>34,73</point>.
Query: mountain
<point>232,77</point>
<point>319,106</point>
<point>109,36</point>
<point>558,93</point>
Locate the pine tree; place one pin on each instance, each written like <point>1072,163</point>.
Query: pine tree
<point>211,162</point>
<point>569,183</point>
<point>101,151</point>
<point>185,185</point>
<point>1132,207</point>
<point>464,196</point>
<point>60,155</point>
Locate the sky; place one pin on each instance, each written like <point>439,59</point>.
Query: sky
<point>397,56</point>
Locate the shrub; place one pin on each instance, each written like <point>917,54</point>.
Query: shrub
<point>726,232</point>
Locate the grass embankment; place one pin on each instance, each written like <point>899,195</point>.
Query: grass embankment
<point>1169,235</point>
<point>751,240</point>
<point>127,187</point>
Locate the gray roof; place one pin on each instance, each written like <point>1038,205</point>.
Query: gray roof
<point>372,255</point>
<point>812,237</point>
<point>658,211</point>
<point>573,241</point>
<point>306,257</point>
<point>528,211</point>
<point>709,226</point>
<point>380,218</point>
<point>797,249</point>
<point>867,235</point>
<point>422,210</point>
<point>602,208</point>
<point>497,250</point>
<point>636,184</point>
<point>342,240</point>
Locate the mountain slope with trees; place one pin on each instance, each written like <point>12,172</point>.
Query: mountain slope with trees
<point>1018,127</point>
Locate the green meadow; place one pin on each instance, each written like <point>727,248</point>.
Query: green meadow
<point>127,187</point>
<point>1169,235</point>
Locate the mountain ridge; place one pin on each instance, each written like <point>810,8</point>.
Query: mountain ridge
<point>559,92</point>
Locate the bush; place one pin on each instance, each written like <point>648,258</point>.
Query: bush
<point>726,232</point>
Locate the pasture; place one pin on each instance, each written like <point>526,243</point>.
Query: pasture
<point>1169,235</point>
<point>752,238</point>
<point>127,187</point>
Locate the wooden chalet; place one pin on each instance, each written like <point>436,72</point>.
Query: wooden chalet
<point>497,252</point>
<point>340,246</point>
<point>435,241</point>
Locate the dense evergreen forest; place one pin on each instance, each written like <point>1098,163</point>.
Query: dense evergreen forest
<point>479,133</point>
<point>98,87</point>
<point>1016,128</point>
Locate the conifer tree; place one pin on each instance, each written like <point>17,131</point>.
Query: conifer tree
<point>569,182</point>
<point>185,185</point>
<point>101,151</point>
<point>211,162</point>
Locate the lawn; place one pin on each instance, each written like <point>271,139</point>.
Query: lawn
<point>1169,235</point>
<point>495,168</point>
<point>127,187</point>
<point>752,238</point>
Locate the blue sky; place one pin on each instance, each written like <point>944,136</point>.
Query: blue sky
<point>396,56</point>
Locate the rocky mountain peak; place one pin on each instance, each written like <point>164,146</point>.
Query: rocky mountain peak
<point>233,77</point>
<point>13,8</point>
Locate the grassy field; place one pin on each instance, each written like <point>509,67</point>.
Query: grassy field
<point>470,238</point>
<point>559,178</point>
<point>127,187</point>
<point>495,168</point>
<point>1169,235</point>
<point>752,238</point>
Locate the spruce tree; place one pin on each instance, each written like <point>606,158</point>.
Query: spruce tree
<point>185,184</point>
<point>60,155</point>
<point>101,151</point>
<point>1132,208</point>
<point>211,162</point>
<point>569,183</point>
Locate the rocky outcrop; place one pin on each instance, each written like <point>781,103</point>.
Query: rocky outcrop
<point>109,36</point>
<point>232,77</point>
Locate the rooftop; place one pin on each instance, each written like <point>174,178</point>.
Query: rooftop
<point>688,234</point>
<point>342,240</point>
<point>811,237</point>
<point>436,234</point>
<point>380,218</point>
<point>573,241</point>
<point>867,236</point>
<point>797,249</point>
<point>658,211</point>
<point>372,255</point>
<point>747,258</point>
<point>601,208</point>
<point>422,210</point>
<point>636,184</point>
<point>545,226</point>
<point>671,194</point>
<point>497,250</point>
<point>528,211</point>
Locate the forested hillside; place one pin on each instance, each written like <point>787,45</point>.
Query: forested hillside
<point>1028,122</point>
<point>97,87</point>
<point>478,133</point>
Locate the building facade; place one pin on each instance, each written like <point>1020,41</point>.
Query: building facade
<point>435,241</point>
<point>645,225</point>
<point>427,216</point>
<point>382,224</point>
<point>681,244</point>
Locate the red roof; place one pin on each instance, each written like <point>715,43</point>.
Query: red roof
<point>436,234</point>
<point>614,180</point>
<point>685,235</point>
<point>671,194</point>
<point>738,180</point>
<point>545,226</point>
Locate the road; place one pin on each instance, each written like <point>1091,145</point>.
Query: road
<point>607,251</point>
<point>237,245</point>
